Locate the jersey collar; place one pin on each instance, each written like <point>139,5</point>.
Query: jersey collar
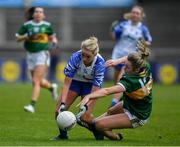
<point>37,24</point>
<point>138,25</point>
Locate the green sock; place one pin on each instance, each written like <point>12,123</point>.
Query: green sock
<point>50,89</point>
<point>33,103</point>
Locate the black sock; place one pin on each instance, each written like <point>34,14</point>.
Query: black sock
<point>94,125</point>
<point>63,133</point>
<point>33,103</point>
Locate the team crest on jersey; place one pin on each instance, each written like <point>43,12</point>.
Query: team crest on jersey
<point>43,29</point>
<point>36,29</point>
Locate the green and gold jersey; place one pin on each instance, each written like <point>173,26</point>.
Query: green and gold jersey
<point>137,97</point>
<point>38,33</point>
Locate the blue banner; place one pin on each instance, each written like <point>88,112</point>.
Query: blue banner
<point>67,3</point>
<point>11,3</point>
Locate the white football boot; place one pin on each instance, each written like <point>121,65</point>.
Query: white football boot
<point>29,108</point>
<point>54,91</point>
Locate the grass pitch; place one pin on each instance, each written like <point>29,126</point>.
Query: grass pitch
<point>19,128</point>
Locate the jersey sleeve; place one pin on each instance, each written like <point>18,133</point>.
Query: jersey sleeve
<point>118,29</point>
<point>146,34</point>
<point>50,30</point>
<point>126,83</point>
<point>72,65</point>
<point>22,30</point>
<point>99,74</point>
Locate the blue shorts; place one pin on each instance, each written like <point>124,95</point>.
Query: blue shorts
<point>118,66</point>
<point>81,88</point>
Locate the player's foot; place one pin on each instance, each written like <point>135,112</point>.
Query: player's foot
<point>84,124</point>
<point>98,135</point>
<point>59,137</point>
<point>54,91</point>
<point>29,108</point>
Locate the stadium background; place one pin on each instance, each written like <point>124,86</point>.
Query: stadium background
<point>75,20</point>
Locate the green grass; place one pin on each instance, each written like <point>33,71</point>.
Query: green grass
<point>19,128</point>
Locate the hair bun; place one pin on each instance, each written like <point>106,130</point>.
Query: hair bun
<point>143,50</point>
<point>91,44</point>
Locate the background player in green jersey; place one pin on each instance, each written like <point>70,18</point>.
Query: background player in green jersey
<point>37,34</point>
<point>136,86</point>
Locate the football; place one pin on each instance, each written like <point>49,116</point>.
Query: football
<point>66,120</point>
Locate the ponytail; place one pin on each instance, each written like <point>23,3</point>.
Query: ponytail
<point>138,59</point>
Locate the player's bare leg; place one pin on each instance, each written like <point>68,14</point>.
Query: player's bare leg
<point>37,75</point>
<point>69,100</point>
<point>117,121</point>
<point>52,87</point>
<point>117,109</point>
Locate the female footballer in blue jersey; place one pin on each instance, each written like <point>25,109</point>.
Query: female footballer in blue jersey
<point>84,73</point>
<point>126,34</point>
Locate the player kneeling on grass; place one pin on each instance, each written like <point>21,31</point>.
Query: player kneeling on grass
<point>84,74</point>
<point>136,86</point>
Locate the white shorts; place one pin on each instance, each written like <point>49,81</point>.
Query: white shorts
<point>39,58</point>
<point>136,122</point>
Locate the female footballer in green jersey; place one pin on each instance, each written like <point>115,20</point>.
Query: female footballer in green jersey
<point>136,86</point>
<point>37,34</point>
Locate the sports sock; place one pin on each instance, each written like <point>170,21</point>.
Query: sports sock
<point>33,103</point>
<point>93,124</point>
<point>114,102</point>
<point>63,133</point>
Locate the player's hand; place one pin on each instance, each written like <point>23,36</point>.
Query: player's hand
<point>83,109</point>
<point>62,107</point>
<point>110,63</point>
<point>84,101</point>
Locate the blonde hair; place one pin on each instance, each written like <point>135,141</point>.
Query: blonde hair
<point>138,59</point>
<point>91,44</point>
<point>127,16</point>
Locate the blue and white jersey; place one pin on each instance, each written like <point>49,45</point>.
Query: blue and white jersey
<point>76,69</point>
<point>127,36</point>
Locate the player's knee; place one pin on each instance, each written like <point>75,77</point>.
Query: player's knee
<point>36,81</point>
<point>87,117</point>
<point>109,112</point>
<point>99,125</point>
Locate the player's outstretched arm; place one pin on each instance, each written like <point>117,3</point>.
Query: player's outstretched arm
<point>65,89</point>
<point>111,62</point>
<point>101,93</point>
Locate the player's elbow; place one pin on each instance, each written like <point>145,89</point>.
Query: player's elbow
<point>18,40</point>
<point>148,43</point>
<point>113,36</point>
